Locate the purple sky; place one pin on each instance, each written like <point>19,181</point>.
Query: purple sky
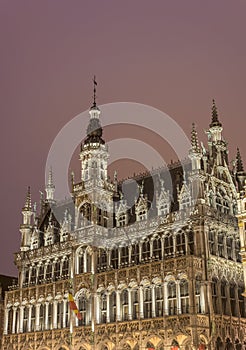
<point>173,55</point>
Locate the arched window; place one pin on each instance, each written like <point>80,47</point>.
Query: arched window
<point>168,245</point>
<point>233,299</point>
<point>237,251</point>
<point>135,254</point>
<point>229,248</point>
<point>159,300</point>
<point>102,260</point>
<point>85,215</point>
<point>214,283</point>
<point>172,298</point>
<point>180,243</point>
<point>223,289</point>
<point>135,302</point>
<point>25,319</point>
<point>241,300</point>
<point>50,313</point>
<point>48,275</point>
<point>103,307</point>
<point>114,258</point>
<point>41,274</point>
<point>32,318</point>
<point>157,248</point>
<point>198,294</point>
<point>124,256</point>
<point>211,242</point>
<point>147,302</point>
<point>184,296</point>
<point>80,267</point>
<point>65,266</point>
<point>83,309</point>
<point>57,270</point>
<point>112,303</point>
<point>124,303</point>
<point>146,250</point>
<point>221,245</point>
<point>190,236</point>
<point>33,275</point>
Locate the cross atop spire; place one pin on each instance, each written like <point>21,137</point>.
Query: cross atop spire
<point>94,92</point>
<point>239,164</point>
<point>215,119</point>
<point>28,203</point>
<point>194,140</point>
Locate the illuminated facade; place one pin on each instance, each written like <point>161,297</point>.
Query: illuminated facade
<point>164,274</point>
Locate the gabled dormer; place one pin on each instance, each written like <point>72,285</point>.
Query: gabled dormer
<point>163,201</point>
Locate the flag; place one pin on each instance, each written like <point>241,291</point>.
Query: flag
<point>73,306</point>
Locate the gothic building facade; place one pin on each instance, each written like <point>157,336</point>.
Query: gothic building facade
<point>164,273</point>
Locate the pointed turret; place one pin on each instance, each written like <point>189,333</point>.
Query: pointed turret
<point>28,203</point>
<point>215,118</point>
<point>50,187</point>
<point>26,226</point>
<point>240,173</point>
<point>239,164</point>
<point>194,140</point>
<point>195,151</point>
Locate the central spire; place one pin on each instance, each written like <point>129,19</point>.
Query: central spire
<point>94,129</point>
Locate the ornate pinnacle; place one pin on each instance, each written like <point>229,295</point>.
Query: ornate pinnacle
<point>239,164</point>
<point>215,119</point>
<point>28,203</point>
<point>50,179</point>
<point>194,140</point>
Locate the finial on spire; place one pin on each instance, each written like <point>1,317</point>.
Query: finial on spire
<point>194,139</point>
<point>28,203</point>
<point>50,187</point>
<point>94,91</point>
<point>215,119</point>
<point>239,162</point>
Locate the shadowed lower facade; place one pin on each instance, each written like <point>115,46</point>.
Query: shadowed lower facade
<point>165,273</point>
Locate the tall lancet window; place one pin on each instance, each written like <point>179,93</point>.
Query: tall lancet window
<point>112,302</point>
<point>184,296</point>
<point>145,250</point>
<point>147,302</point>
<point>157,248</point>
<point>159,300</point>
<point>172,298</point>
<point>135,254</point>
<point>125,304</point>
<point>85,215</point>
<point>103,307</point>
<point>180,243</point>
<point>168,245</point>
<point>135,304</point>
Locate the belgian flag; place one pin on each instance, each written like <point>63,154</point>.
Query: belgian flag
<point>73,306</point>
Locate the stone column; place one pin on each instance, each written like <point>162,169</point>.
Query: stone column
<point>21,316</point>
<point>140,251</point>
<point>119,256</point>
<point>108,309</point>
<point>37,317</point>
<point>151,248</point>
<point>178,297</point>
<point>165,298</point>
<point>46,321</point>
<point>141,303</point>
<point>55,314</point>
<point>118,306</point>
<point>6,320</point>
<point>129,304</point>
<point>202,298</point>
<point>14,319</point>
<point>29,318</point>
<point>64,313</point>
<point>153,308</point>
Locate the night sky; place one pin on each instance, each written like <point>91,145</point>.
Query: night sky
<point>173,55</point>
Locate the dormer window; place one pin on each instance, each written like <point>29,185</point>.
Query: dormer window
<point>121,220</point>
<point>35,244</point>
<point>185,202</point>
<point>142,215</point>
<point>49,240</point>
